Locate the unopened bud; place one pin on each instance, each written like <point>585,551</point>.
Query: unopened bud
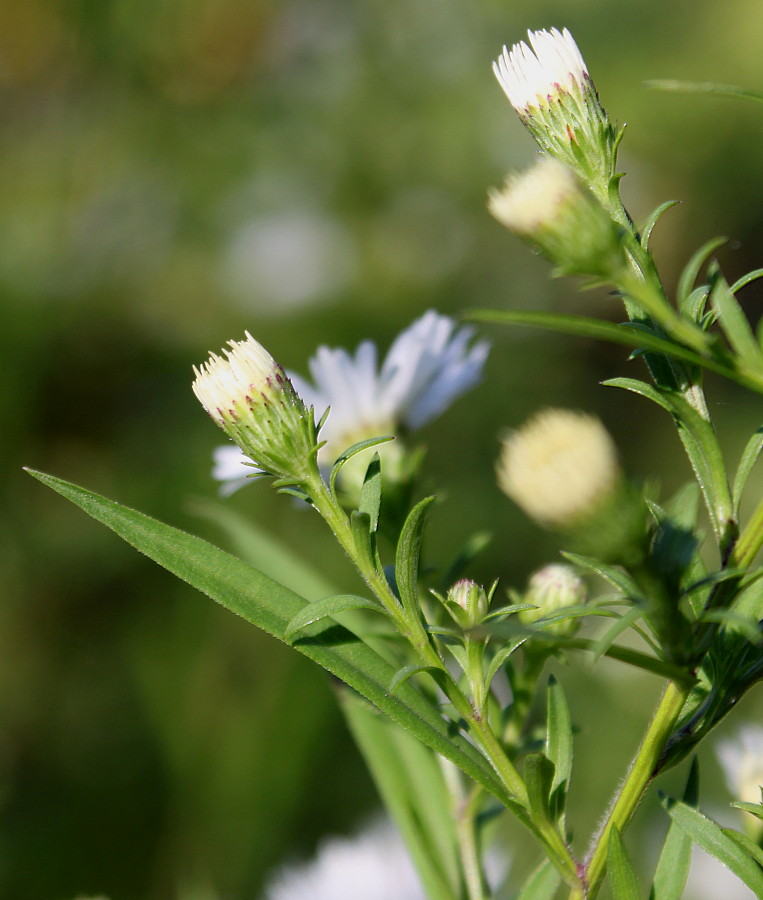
<point>471,598</point>
<point>250,397</point>
<point>550,590</point>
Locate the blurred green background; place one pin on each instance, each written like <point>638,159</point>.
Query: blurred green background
<point>173,172</point>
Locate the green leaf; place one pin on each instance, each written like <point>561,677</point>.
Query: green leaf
<point>410,779</point>
<point>629,335</point>
<point>542,883</point>
<point>747,844</point>
<point>597,329</point>
<point>648,226</point>
<point>711,838</point>
<point>402,675</point>
<point>270,606</point>
<point>691,272</point>
<point>755,809</point>
<point>328,606</point>
<point>705,87</point>
<point>733,321</point>
<point>371,493</point>
<point>745,280</point>
<point>365,545</point>
<point>408,553</point>
<point>353,451</point>
<point>539,774</point>
<point>616,577</point>
<point>749,458</point>
<point>622,878</point>
<point>675,859</point>
<point>558,742</point>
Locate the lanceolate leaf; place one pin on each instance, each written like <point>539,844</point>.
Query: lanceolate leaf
<point>749,458</point>
<point>647,228</point>
<point>712,839</point>
<point>733,321</point>
<point>410,779</point>
<point>622,878</point>
<point>370,494</point>
<point>691,271</point>
<point>675,858</point>
<point>408,553</point>
<point>270,606</point>
<point>559,739</point>
<point>328,606</point>
<point>542,883</point>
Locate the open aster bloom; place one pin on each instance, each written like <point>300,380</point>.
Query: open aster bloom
<point>428,366</point>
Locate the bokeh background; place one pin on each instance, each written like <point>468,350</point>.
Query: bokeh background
<point>173,172</point>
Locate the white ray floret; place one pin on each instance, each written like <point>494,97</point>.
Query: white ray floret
<point>247,369</point>
<point>553,65</point>
<point>428,366</point>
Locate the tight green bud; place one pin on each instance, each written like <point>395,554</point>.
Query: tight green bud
<point>552,589</point>
<point>472,599</point>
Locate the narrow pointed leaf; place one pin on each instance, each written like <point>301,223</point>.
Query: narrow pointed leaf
<point>267,604</point>
<point>327,606</point>
<point>691,271</point>
<point>408,553</point>
<point>622,878</point>
<point>402,675</point>
<point>755,809</point>
<point>410,780</point>
<point>648,226</point>
<point>542,884</point>
<point>371,492</point>
<point>616,577</point>
<point>559,737</point>
<point>539,773</point>
<point>734,322</point>
<point>353,451</point>
<point>749,457</point>
<point>711,838</point>
<point>745,280</point>
<point>675,858</point>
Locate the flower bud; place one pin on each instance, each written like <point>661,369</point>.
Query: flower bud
<point>559,467</point>
<point>472,599</point>
<point>250,397</point>
<point>548,206</point>
<point>552,589</point>
<point>554,96</point>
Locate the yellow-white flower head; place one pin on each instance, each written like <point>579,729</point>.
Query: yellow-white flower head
<point>251,398</point>
<point>741,758</point>
<point>550,590</point>
<point>559,466</point>
<point>530,77</point>
<point>548,206</point>
<point>534,199</point>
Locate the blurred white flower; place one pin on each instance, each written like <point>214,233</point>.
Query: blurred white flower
<point>741,759</point>
<point>427,367</point>
<point>532,77</point>
<point>371,866</point>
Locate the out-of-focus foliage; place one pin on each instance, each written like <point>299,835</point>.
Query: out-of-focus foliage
<point>175,172</point>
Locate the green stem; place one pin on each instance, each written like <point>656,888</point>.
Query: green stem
<point>465,811</point>
<point>632,790</point>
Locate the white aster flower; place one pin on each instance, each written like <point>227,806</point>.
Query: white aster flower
<point>372,866</point>
<point>533,77</point>
<point>427,367</point>
<point>741,759</point>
